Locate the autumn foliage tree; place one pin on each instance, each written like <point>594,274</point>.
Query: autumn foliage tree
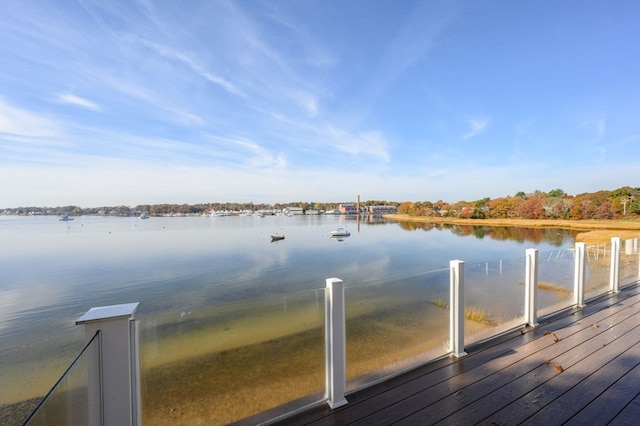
<point>556,204</point>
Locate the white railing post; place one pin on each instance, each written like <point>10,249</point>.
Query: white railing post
<point>579,274</point>
<point>335,344</point>
<point>614,271</point>
<point>119,361</point>
<point>531,285</point>
<point>456,301</point>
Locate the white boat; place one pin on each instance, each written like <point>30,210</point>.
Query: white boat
<point>143,216</point>
<point>340,232</point>
<point>66,218</point>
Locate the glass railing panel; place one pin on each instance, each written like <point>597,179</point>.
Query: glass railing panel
<point>75,398</point>
<point>223,363</point>
<point>556,270</point>
<point>393,324</point>
<point>629,262</point>
<point>494,297</point>
<point>598,269</point>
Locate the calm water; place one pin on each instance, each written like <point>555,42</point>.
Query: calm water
<point>51,272</point>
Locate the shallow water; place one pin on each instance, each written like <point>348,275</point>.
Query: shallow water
<point>183,269</point>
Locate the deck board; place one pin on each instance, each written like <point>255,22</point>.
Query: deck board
<point>535,372</point>
<point>541,394</point>
<point>629,415</point>
<point>513,378</point>
<point>590,389</point>
<point>532,367</point>
<point>613,400</point>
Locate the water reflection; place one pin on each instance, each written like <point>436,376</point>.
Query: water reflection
<point>556,237</point>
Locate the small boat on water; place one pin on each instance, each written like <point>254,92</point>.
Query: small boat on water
<point>340,232</point>
<point>277,237</point>
<point>143,216</point>
<point>66,218</point>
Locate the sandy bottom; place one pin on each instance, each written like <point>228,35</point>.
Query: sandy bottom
<point>225,386</point>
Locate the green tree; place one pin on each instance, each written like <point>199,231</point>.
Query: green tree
<point>556,193</point>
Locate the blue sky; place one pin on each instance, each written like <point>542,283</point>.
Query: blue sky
<point>131,102</point>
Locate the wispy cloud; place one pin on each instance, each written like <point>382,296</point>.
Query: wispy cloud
<point>368,143</point>
<point>191,62</point>
<point>597,128</point>
<point>476,126</point>
<point>259,155</point>
<point>68,98</point>
<point>20,122</point>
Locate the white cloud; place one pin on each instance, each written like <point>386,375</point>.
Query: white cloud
<point>260,157</point>
<point>476,126</point>
<point>70,99</point>
<point>24,123</point>
<point>369,143</point>
<point>308,102</point>
<point>192,63</point>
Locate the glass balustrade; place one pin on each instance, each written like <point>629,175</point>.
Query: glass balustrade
<point>75,398</point>
<point>494,297</point>
<point>394,323</point>
<point>220,364</point>
<point>556,271</point>
<point>629,262</point>
<point>598,269</point>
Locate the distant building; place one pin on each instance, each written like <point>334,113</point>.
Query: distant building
<point>294,210</point>
<point>380,210</point>
<point>347,209</point>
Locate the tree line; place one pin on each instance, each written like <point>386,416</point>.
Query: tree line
<point>555,204</point>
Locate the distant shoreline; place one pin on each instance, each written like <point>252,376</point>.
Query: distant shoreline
<point>593,231</point>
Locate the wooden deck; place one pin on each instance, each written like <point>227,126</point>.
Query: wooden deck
<point>581,366</point>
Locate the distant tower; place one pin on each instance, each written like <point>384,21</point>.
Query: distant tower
<point>358,205</point>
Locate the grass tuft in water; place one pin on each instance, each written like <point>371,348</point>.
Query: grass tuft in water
<point>472,313</point>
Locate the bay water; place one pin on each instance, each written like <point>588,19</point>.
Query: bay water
<point>53,271</point>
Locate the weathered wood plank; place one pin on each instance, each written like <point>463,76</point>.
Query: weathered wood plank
<point>614,399</point>
<point>538,397</point>
<point>573,400</point>
<point>501,387</point>
<point>629,415</point>
<point>491,399</point>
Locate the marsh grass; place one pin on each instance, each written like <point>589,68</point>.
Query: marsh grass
<point>440,303</point>
<point>547,286</point>
<point>472,313</point>
<point>542,285</point>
